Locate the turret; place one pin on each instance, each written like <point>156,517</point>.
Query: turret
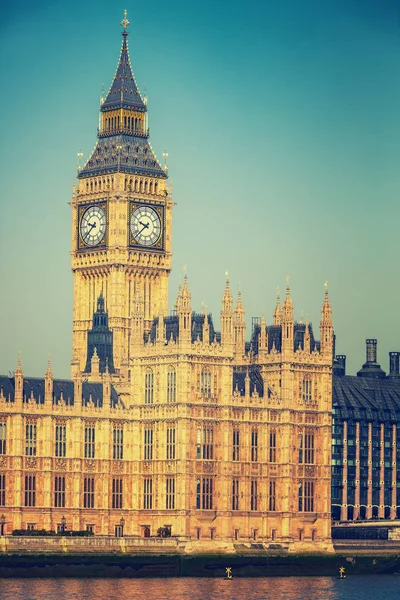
<point>278,310</point>
<point>326,329</point>
<point>48,384</point>
<point>95,367</point>
<point>19,382</point>
<point>185,315</point>
<point>227,318</point>
<point>239,328</point>
<point>160,339</point>
<point>263,340</point>
<point>307,338</point>
<point>137,330</point>
<point>287,324</point>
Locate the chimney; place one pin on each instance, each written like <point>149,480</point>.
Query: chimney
<point>371,368</point>
<point>394,359</point>
<point>371,350</point>
<point>339,367</point>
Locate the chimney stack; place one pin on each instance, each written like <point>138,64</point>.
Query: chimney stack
<point>394,360</point>
<point>371,368</point>
<point>371,351</point>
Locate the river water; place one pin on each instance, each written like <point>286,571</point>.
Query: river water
<point>357,587</point>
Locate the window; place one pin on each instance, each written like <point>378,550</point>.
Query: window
<point>272,496</point>
<point>89,441</point>
<point>2,490</point>
<point>306,389</point>
<point>272,445</point>
<point>236,445</point>
<point>208,445</point>
<point>118,443</point>
<point>205,443</point>
<point>253,495</point>
<point>88,492</point>
<point>30,490</point>
<point>170,447</point>
<point>3,438</point>
<point>90,528</point>
<point>148,494</point>
<point>149,387</point>
<point>61,440</point>
<point>206,382</point>
<point>170,493</point>
<point>236,534</point>
<point>59,492</point>
<point>116,493</point>
<point>306,448</point>
<point>30,439</point>
<point>254,445</point>
<point>306,496</point>
<point>212,533</point>
<point>148,444</point>
<point>204,493</point>
<point>171,385</point>
<point>235,494</point>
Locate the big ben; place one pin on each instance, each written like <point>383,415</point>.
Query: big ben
<point>121,221</point>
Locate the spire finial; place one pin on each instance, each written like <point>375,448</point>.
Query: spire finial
<point>125,23</point>
<point>287,284</point>
<point>326,287</point>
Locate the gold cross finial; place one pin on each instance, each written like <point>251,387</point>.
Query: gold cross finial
<point>125,21</point>
<point>326,285</point>
<point>287,280</point>
<point>226,274</point>
<point>185,268</point>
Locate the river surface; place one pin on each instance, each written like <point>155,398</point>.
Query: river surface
<point>356,587</point>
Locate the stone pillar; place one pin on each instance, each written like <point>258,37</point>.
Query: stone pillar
<point>343,512</point>
<point>369,490</point>
<point>394,473</point>
<point>356,512</point>
<point>381,510</point>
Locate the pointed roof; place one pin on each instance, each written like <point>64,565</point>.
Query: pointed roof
<point>326,309</point>
<point>124,92</point>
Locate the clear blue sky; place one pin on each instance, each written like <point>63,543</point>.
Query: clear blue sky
<point>282,123</point>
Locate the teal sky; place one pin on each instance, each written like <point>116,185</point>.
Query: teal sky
<point>282,123</point>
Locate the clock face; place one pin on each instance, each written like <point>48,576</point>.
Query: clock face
<point>93,225</point>
<point>145,226</point>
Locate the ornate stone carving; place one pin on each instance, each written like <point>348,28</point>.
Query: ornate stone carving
<point>31,462</point>
<point>61,464</point>
<point>90,465</point>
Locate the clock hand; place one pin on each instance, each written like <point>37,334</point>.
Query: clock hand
<point>91,225</point>
<point>144,227</point>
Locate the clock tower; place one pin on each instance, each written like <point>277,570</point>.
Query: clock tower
<point>121,221</point>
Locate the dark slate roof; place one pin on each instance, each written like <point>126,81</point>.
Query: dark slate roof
<point>34,386</point>
<point>7,386</point>
<point>275,337</point>
<point>256,382</point>
<point>172,328</point>
<point>364,398</point>
<point>136,157</point>
<point>124,92</point>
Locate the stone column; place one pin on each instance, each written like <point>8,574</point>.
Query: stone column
<point>356,512</point>
<point>343,512</point>
<point>381,510</point>
<point>369,490</point>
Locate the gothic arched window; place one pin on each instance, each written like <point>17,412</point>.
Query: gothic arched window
<point>149,387</point>
<point>306,389</point>
<point>206,382</point>
<point>171,385</point>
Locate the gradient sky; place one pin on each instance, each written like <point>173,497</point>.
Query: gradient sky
<point>282,123</point>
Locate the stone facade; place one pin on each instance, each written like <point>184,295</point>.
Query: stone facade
<point>198,430</point>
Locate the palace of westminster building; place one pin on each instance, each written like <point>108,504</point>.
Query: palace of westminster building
<point>167,422</point>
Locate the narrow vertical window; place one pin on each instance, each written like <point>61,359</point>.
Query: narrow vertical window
<point>236,445</point>
<point>171,385</point>
<point>208,443</point>
<point>2,490</point>
<point>309,448</point>
<point>116,495</point>
<point>272,496</point>
<point>30,439</point>
<point>59,492</point>
<point>253,495</point>
<point>88,492</point>
<point>148,494</point>
<point>30,490</point>
<point>207,493</point>
<point>306,389</point>
<point>149,387</point>
<point>148,444</point>
<point>170,446</point>
<point>254,445</point>
<point>3,438</point>
<point>206,382</point>
<point>170,493</point>
<point>198,493</point>
<point>198,442</point>
<point>118,443</point>
<point>61,440</point>
<point>235,494</point>
<point>272,445</point>
<point>90,440</point>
